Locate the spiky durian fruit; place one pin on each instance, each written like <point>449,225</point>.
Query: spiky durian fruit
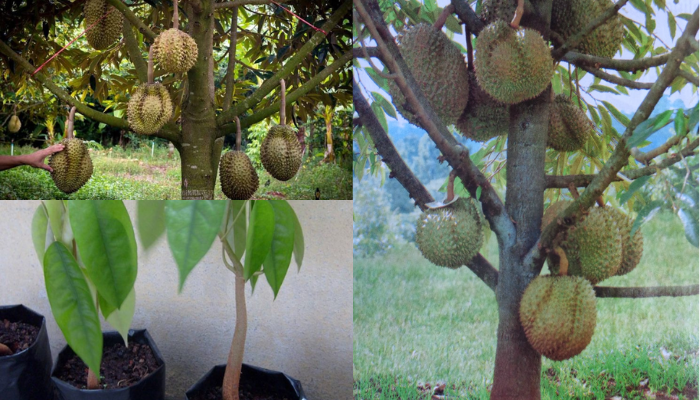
<point>280,152</point>
<point>632,245</point>
<point>149,108</point>
<point>72,166</point>
<point>493,10</point>
<point>558,314</point>
<point>108,29</point>
<point>175,51</point>
<point>569,127</point>
<point>483,118</point>
<point>14,124</point>
<point>512,65</point>
<point>239,181</point>
<point>439,68</point>
<point>571,16</point>
<point>593,246</point>
<point>450,236</point>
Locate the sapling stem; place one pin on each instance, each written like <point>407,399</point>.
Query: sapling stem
<point>232,376</point>
<point>5,351</point>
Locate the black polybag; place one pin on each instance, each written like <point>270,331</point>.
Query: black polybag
<point>262,376</point>
<point>26,375</point>
<point>152,387</point>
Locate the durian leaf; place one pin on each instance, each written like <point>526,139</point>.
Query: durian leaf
<point>601,88</point>
<point>120,319</point>
<point>672,24</point>
<point>380,115</point>
<point>40,225</point>
<point>645,214</point>
<point>693,117</point>
<point>150,221</point>
<point>453,24</point>
<point>384,103</point>
<point>279,257</point>
<point>679,123</point>
<point>689,218</point>
<point>259,237</point>
<point>237,234</point>
<point>107,246</point>
<point>648,127</point>
<point>56,213</point>
<point>634,186</point>
<point>72,304</point>
<point>622,118</point>
<point>191,226</point>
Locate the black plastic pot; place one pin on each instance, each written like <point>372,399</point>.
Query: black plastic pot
<point>260,376</point>
<point>152,387</point>
<point>26,375</point>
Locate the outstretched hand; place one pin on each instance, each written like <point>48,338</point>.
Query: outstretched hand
<point>36,159</point>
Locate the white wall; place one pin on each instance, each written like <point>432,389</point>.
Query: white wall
<point>306,332</point>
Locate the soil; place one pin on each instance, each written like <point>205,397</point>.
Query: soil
<point>17,336</point>
<point>248,391</point>
<point>121,367</point>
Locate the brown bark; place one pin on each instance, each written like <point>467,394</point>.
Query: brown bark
<point>232,376</point>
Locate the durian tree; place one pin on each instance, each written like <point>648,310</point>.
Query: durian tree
<point>515,84</point>
<point>214,63</point>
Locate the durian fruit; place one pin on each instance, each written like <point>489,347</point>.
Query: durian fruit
<point>280,152</point>
<point>72,166</point>
<point>14,124</point>
<point>108,29</point>
<point>558,314</point>
<point>571,16</point>
<point>569,127</point>
<point>175,51</point>
<point>439,69</point>
<point>149,108</point>
<point>452,235</point>
<point>239,181</point>
<point>494,10</point>
<point>593,246</point>
<point>512,65</point>
<point>632,245</point>
<point>483,118</point>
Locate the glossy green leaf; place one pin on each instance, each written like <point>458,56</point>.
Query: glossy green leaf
<point>379,112</point>
<point>56,212</point>
<point>689,218</point>
<point>192,227</point>
<point>601,88</point>
<point>645,214</point>
<point>622,118</point>
<point>72,304</point>
<point>693,117</point>
<point>150,221</point>
<point>259,237</point>
<point>648,127</point>
<point>298,241</point>
<point>120,319</point>
<point>107,246</point>
<point>672,24</point>
<point>237,234</point>
<point>40,224</point>
<point>384,103</point>
<point>278,259</point>
<point>634,186</point>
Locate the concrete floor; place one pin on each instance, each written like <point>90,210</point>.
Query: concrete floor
<point>306,332</point>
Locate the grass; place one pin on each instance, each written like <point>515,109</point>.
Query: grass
<point>135,174</point>
<point>416,324</point>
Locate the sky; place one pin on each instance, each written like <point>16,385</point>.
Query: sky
<point>626,104</point>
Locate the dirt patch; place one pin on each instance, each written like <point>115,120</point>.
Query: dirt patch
<point>250,391</point>
<point>18,336</point>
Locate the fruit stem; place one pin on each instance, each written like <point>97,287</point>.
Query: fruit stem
<point>283,104</point>
<point>176,22</point>
<point>563,261</point>
<point>451,187</point>
<point>442,18</point>
<point>470,51</point>
<point>515,23</point>
<point>150,65</point>
<point>600,201</point>
<point>4,350</point>
<point>238,134</point>
<point>69,126</point>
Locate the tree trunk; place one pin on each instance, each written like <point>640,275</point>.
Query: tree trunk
<point>518,365</point>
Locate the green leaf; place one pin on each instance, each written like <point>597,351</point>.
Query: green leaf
<point>379,112</point>
<point>601,88</point>
<point>40,224</point>
<point>120,319</point>
<point>56,212</point>
<point>384,103</point>
<point>648,127</point>
<point>280,256</point>
<point>259,237</point>
<point>107,249</point>
<point>72,304</point>
<point>298,242</point>
<point>645,214</point>
<point>622,118</point>
<point>192,226</point>
<point>672,25</point>
<point>679,123</point>
<point>693,117</point>
<point>478,193</point>
<point>150,221</point>
<point>452,24</point>
<point>379,80</point>
<point>237,235</point>
<point>689,218</point>
<point>634,186</point>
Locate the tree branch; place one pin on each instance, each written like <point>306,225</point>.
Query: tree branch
<point>132,47</point>
<point>133,18</point>
<point>386,149</point>
<point>291,97</point>
<point>468,16</point>
<point>287,69</point>
<point>639,292</point>
<point>357,52</point>
<point>456,155</point>
<point>585,60</point>
<point>574,40</point>
<point>645,157</point>
<point>620,155</point>
<point>62,94</point>
<point>238,3</point>
<point>482,268</point>
<point>688,77</point>
<point>228,95</point>
<point>563,182</point>
<point>617,80</point>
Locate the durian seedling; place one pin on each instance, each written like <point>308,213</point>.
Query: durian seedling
<point>174,49</point>
<point>280,152</point>
<point>449,198</point>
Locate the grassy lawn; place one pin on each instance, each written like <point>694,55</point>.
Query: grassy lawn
<point>134,174</point>
<point>417,325</point>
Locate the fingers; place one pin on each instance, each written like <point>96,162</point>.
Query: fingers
<point>55,148</point>
<point>46,167</point>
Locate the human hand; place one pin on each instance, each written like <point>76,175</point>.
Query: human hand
<point>36,159</point>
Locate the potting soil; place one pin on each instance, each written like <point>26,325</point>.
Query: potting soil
<point>17,336</point>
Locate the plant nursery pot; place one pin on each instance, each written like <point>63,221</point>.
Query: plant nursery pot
<point>283,385</point>
<point>150,387</point>
<point>26,374</point>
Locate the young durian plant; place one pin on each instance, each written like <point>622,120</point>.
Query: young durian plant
<point>258,238</point>
<point>89,256</point>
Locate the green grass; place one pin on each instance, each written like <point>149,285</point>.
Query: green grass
<point>417,323</point>
<point>134,174</point>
